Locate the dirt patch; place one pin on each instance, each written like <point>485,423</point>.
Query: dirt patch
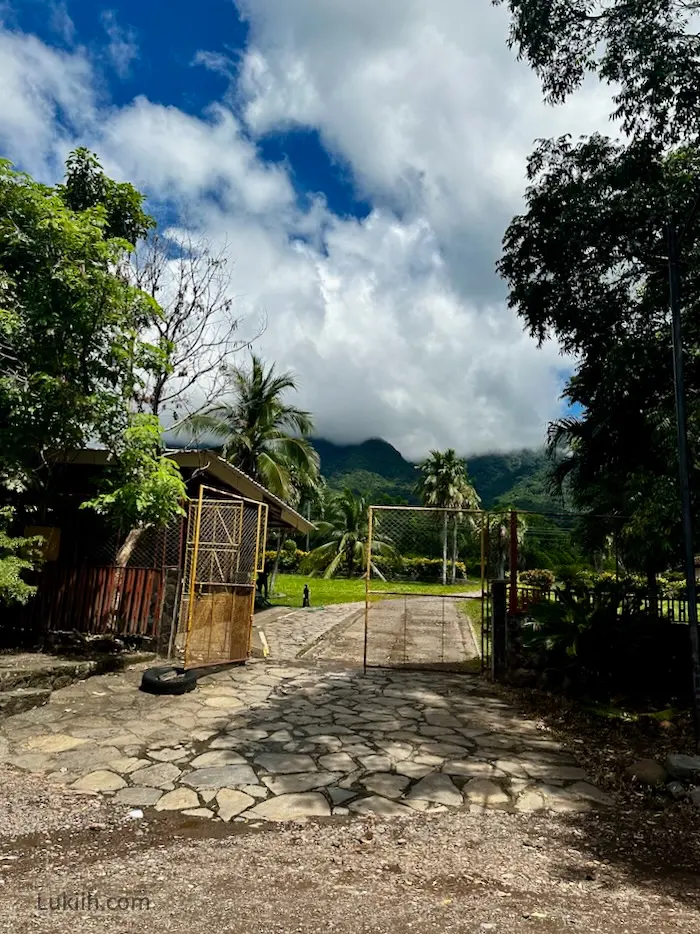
<point>452,872</point>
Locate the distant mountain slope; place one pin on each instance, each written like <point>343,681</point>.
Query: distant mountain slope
<point>378,471</point>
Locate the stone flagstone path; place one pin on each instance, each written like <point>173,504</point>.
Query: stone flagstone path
<point>275,742</point>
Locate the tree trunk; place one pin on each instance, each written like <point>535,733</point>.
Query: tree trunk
<point>444,548</point>
<point>127,549</point>
<point>454,550</point>
<point>121,561</point>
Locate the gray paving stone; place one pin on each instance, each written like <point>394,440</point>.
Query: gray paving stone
<point>167,755</point>
<point>380,807</point>
<point>199,812</point>
<point>285,763</point>
<point>375,763</point>
<point>101,780</point>
<point>442,718</point>
<point>443,750</point>
<point>178,800</point>
<point>484,793</point>
<point>386,784</point>
<point>127,764</point>
<point>291,807</point>
<point>414,769</point>
<point>555,773</point>
<point>337,762</point>
<point>138,797</point>
<point>437,788</point>
<point>156,775</point>
<point>232,802</point>
<point>470,768</point>
<point>300,781</point>
<point>223,776</point>
<point>217,757</point>
<point>529,800</point>
<point>340,795</point>
<point>397,752</point>
<point>561,800</point>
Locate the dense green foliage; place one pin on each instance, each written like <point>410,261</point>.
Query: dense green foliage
<point>585,264</point>
<point>142,488</point>
<point>378,471</point>
<point>70,325</point>
<point>344,536</point>
<point>18,555</point>
<point>74,352</point>
<point>444,484</point>
<point>648,51</point>
<point>604,641</point>
<point>260,433</point>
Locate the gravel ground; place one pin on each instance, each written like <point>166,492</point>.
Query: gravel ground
<point>457,871</point>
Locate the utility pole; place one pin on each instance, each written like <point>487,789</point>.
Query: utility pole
<point>684,468</point>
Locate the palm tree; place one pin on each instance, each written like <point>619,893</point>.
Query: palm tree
<point>445,485</point>
<point>259,432</point>
<point>345,533</point>
<point>500,533</point>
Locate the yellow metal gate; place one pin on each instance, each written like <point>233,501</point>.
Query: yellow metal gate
<point>225,551</point>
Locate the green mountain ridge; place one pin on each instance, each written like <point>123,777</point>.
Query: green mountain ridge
<point>377,470</point>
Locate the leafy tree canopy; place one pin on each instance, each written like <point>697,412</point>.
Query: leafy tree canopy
<point>70,325</point>
<point>261,433</point>
<point>647,50</point>
<point>586,265</point>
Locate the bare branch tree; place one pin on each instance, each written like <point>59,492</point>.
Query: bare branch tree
<point>198,331</point>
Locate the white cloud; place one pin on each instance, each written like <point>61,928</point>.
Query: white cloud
<point>122,49</point>
<point>47,97</point>
<point>395,324</point>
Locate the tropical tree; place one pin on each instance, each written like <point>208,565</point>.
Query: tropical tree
<point>345,535</point>
<point>499,520</point>
<point>646,50</point>
<point>259,432</point>
<point>73,355</point>
<point>586,265</point>
<point>445,485</point>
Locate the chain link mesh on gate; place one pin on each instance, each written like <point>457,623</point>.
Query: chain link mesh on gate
<point>224,548</point>
<point>425,573</point>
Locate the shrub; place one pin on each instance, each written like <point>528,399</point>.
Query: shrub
<point>290,559</point>
<point>18,555</point>
<point>540,578</point>
<point>399,568</point>
<point>603,641</point>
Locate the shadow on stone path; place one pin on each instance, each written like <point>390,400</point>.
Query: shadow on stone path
<point>270,742</point>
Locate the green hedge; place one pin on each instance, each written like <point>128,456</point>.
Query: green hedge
<point>537,577</point>
<point>290,561</point>
<point>417,569</point>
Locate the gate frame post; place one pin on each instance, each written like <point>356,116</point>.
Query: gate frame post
<point>499,630</point>
<point>513,561</point>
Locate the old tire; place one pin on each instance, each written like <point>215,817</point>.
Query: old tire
<point>167,679</point>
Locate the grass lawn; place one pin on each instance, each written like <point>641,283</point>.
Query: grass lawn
<point>289,589</point>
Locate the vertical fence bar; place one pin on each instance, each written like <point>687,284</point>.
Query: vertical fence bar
<point>368,571</point>
<point>513,604</point>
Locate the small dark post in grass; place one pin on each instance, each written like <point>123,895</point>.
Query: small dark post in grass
<point>306,601</point>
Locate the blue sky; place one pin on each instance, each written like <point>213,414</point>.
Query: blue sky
<point>357,161</point>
